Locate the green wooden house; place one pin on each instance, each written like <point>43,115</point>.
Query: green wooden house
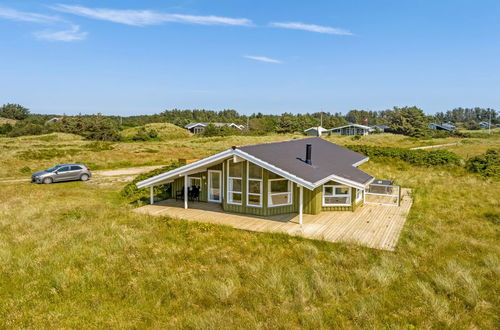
<point>307,175</point>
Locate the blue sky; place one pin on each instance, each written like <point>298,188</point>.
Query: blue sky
<point>141,57</point>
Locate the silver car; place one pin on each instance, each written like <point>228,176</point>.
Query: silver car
<point>62,172</point>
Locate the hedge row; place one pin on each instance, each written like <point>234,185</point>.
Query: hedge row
<point>133,194</point>
<point>415,157</point>
<point>487,164</point>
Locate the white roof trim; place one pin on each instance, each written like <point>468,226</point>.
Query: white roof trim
<point>339,179</point>
<point>186,168</point>
<point>361,162</point>
<point>355,125</point>
<point>318,128</point>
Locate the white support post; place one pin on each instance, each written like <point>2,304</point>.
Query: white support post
<point>151,195</point>
<point>301,203</point>
<point>185,191</point>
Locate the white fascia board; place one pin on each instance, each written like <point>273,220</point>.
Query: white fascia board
<point>369,181</point>
<point>361,162</point>
<point>355,125</point>
<point>342,180</point>
<point>274,169</point>
<point>184,169</point>
<point>190,125</point>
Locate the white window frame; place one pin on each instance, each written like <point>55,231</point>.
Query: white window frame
<point>230,185</point>
<point>348,195</point>
<point>260,184</point>
<point>360,196</point>
<point>270,194</point>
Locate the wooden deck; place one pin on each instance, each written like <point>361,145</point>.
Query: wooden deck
<point>374,226</point>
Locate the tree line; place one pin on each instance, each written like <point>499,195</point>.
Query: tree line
<point>411,121</point>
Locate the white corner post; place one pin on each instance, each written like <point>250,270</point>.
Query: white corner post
<point>185,191</point>
<point>301,203</point>
<point>151,195</point>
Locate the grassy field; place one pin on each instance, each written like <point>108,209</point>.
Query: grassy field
<point>25,154</point>
<point>74,255</point>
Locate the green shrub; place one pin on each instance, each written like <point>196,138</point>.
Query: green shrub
<point>25,169</point>
<point>22,128</point>
<point>414,157</point>
<point>145,135</point>
<point>212,130</point>
<point>439,134</point>
<point>92,127</point>
<point>141,135</point>
<point>487,164</point>
<point>5,128</point>
<point>136,195</point>
<point>153,134</point>
<point>14,111</point>
<point>99,146</point>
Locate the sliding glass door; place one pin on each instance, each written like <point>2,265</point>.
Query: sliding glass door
<point>215,186</point>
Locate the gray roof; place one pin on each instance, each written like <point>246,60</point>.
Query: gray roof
<point>327,159</point>
<point>447,127</point>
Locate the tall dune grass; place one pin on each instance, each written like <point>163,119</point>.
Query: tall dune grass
<point>73,255</point>
<point>165,131</point>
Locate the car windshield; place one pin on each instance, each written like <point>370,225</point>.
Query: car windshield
<point>52,169</point>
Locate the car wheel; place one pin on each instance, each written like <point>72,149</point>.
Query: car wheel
<point>47,181</point>
<point>84,177</point>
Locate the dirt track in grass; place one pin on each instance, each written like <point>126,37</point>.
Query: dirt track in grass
<point>100,174</point>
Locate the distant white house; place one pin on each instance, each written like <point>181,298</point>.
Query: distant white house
<point>316,131</point>
<point>200,127</point>
<point>352,129</point>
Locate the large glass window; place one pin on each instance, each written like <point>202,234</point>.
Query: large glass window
<point>254,185</point>
<point>336,195</point>
<point>280,191</point>
<point>194,182</point>
<point>235,183</point>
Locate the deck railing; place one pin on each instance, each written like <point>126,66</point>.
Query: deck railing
<point>383,194</point>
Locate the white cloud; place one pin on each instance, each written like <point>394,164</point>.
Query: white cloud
<point>311,28</point>
<point>262,59</point>
<point>73,34</point>
<point>147,17</point>
<point>22,16</point>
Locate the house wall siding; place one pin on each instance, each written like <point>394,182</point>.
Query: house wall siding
<point>264,210</point>
<point>312,201</point>
<point>178,183</point>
